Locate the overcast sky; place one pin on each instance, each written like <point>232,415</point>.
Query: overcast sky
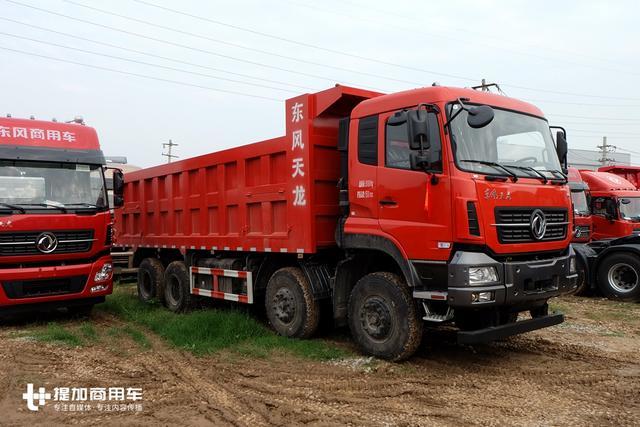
<point>557,50</point>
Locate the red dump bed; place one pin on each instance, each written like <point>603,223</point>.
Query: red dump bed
<point>630,173</point>
<point>277,195</point>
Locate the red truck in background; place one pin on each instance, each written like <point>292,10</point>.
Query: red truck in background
<point>580,199</point>
<point>430,205</point>
<point>610,260</point>
<point>55,224</point>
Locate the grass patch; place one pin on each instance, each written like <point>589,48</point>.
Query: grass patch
<point>556,306</point>
<point>208,331</point>
<point>55,333</point>
<point>88,332</point>
<point>138,336</point>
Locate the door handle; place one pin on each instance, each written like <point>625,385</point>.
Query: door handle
<point>388,202</point>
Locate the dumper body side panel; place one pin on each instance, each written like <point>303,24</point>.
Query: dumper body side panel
<point>278,195</point>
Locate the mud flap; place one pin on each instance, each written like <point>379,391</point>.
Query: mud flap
<point>494,333</point>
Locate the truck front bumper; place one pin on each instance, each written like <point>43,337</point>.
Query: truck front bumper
<point>521,285</point>
<point>53,285</point>
<point>504,331</point>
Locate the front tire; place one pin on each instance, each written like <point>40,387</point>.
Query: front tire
<point>619,277</point>
<point>291,308</point>
<point>582,285</point>
<point>383,317</point>
<point>177,290</point>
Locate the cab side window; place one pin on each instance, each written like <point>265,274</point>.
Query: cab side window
<point>397,151</point>
<point>603,206</point>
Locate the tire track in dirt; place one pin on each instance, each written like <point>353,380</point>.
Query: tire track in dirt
<point>558,376</point>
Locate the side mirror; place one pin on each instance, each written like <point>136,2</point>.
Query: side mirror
<point>479,116</point>
<point>118,188</point>
<point>562,148</point>
<point>419,161</point>
<point>418,129</point>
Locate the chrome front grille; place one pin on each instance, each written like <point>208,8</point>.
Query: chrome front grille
<point>514,224</point>
<point>24,242</point>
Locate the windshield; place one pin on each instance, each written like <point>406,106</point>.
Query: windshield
<point>580,204</point>
<point>511,139</point>
<point>42,185</point>
<point>630,210</point>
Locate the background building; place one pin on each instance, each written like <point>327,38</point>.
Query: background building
<point>591,159</point>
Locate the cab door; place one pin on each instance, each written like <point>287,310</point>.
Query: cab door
<point>414,207</point>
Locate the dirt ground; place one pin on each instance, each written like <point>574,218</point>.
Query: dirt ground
<point>584,372</point>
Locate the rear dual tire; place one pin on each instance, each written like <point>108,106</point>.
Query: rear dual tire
<point>619,277</point>
<point>150,280</point>
<point>290,305</point>
<point>177,288</point>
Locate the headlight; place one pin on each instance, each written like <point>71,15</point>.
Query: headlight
<point>572,265</point>
<point>481,275</point>
<point>104,273</point>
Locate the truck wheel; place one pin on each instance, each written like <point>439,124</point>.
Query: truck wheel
<point>383,317</point>
<point>177,290</point>
<point>619,277</point>
<point>291,309</point>
<point>150,280</point>
<point>581,287</point>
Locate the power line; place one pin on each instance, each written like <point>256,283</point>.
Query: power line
<point>144,76</point>
<point>485,35</point>
<point>584,104</point>
<point>592,117</point>
<point>166,58</point>
<point>447,37</point>
<point>105,55</point>
<point>240,46</point>
<point>304,44</point>
<point>208,52</point>
<point>593,132</point>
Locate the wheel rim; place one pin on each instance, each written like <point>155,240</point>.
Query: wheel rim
<point>284,305</point>
<point>622,278</point>
<point>145,284</point>
<point>174,290</point>
<point>375,318</point>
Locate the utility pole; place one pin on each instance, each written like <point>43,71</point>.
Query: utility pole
<point>169,145</point>
<point>605,150</point>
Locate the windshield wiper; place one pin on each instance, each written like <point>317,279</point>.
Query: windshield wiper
<point>530,169</point>
<point>562,178</point>
<point>14,207</point>
<point>86,205</point>
<point>513,176</point>
<point>46,205</point>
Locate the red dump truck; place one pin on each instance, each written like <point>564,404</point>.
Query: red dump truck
<point>55,224</point>
<point>431,205</point>
<point>610,259</point>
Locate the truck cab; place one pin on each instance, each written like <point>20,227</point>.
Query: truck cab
<point>581,201</point>
<point>615,205</point>
<point>468,187</point>
<point>55,224</point>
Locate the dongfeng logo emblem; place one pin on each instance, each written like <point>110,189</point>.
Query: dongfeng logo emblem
<point>47,242</point>
<point>538,224</point>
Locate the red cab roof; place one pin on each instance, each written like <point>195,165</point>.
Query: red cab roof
<point>45,134</point>
<point>607,182</point>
